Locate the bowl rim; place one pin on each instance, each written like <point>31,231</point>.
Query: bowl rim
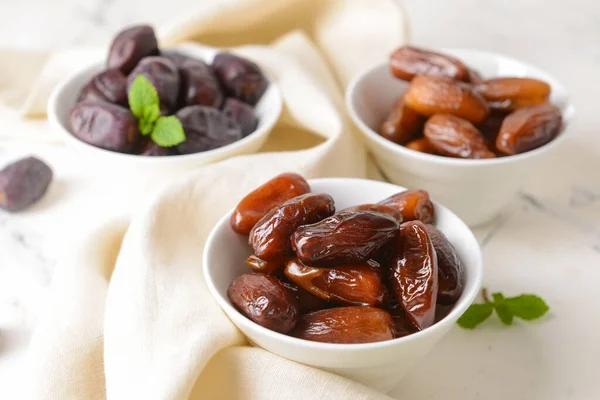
<point>466,299</point>
<point>53,106</point>
<point>568,113</point>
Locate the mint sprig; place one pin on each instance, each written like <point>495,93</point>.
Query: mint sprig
<point>144,104</point>
<point>526,307</point>
<point>168,132</point>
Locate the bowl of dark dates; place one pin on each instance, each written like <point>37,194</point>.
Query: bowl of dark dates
<point>469,126</point>
<point>358,277</point>
<point>192,105</point>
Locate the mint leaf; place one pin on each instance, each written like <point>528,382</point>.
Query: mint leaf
<point>527,306</point>
<point>168,132</point>
<point>142,95</point>
<point>502,310</point>
<point>475,315</point>
<point>148,119</point>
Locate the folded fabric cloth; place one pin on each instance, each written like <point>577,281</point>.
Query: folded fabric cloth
<point>130,316</point>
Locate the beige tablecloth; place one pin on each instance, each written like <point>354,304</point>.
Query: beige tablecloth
<point>130,316</point>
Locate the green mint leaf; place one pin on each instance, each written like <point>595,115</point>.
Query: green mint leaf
<point>141,96</point>
<point>168,132</point>
<point>148,119</point>
<point>527,306</point>
<point>475,315</point>
<point>502,310</point>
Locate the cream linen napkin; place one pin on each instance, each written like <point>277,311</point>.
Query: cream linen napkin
<point>130,316</point>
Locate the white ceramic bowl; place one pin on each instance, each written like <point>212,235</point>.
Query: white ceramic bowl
<point>65,94</point>
<point>379,365</point>
<point>476,190</point>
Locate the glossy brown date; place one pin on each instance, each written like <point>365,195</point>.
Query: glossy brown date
<point>402,323</point>
<point>402,123</point>
<point>475,77</point>
<point>355,324</point>
<point>415,274</point>
<point>270,237</point>
<point>264,198</point>
<point>408,61</point>
<point>421,145</point>
<point>412,204</point>
<point>529,128</point>
<point>450,268</point>
<point>105,125</point>
<point>380,208</point>
<point>130,46</point>
<point>456,137</point>
<point>306,301</point>
<point>431,95</point>
<point>266,267</point>
<point>352,284</point>
<point>110,86</point>
<point>265,300</point>
<point>509,94</point>
<point>343,238</point>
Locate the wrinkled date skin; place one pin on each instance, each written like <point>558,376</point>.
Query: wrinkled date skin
<point>206,128</point>
<point>270,237</point>
<point>265,300</point>
<point>199,86</point>
<point>431,95</point>
<point>450,268</point>
<point>355,324</point>
<point>266,267</point>
<point>344,238</point>
<point>408,61</point>
<point>23,183</point>
<point>509,94</point>
<point>109,86</point>
<point>412,204</point>
<point>529,128</point>
<point>380,208</point>
<point>402,123</point>
<point>456,137</point>
<point>105,125</point>
<point>403,325</point>
<point>130,46</point>
<point>475,77</point>
<point>264,198</point>
<point>151,149</point>
<point>306,301</point>
<point>243,113</point>
<point>491,127</point>
<point>163,75</point>
<point>241,78</point>
<point>414,274</point>
<point>176,58</point>
<point>421,145</point>
<point>352,284</point>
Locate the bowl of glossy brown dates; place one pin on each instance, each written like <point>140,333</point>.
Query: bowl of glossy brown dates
<point>225,103</point>
<point>469,126</point>
<point>354,276</point>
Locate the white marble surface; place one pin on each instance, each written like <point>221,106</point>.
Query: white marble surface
<point>548,241</point>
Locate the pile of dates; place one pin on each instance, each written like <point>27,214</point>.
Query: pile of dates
<point>450,110</point>
<point>215,103</point>
<point>367,273</point>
